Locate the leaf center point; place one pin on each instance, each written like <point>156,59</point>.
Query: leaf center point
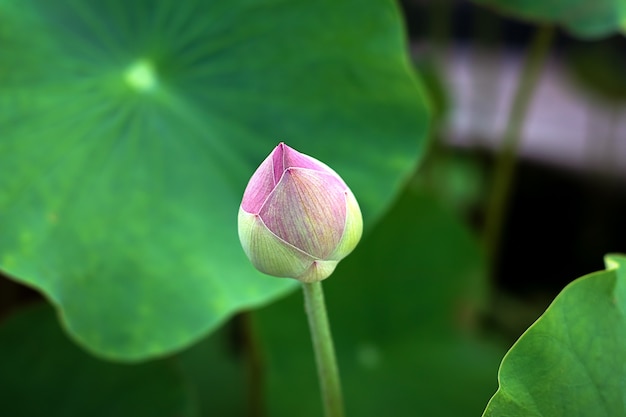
<point>141,76</point>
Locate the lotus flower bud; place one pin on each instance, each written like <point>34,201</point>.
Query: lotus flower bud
<point>298,218</point>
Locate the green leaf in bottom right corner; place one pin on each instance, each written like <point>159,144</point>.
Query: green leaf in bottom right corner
<point>571,361</point>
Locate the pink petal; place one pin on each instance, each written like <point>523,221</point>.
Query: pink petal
<point>259,187</point>
<point>295,159</point>
<point>278,159</point>
<point>307,209</point>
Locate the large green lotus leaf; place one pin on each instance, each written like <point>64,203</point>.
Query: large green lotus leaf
<point>401,308</point>
<point>583,18</point>
<point>570,362</point>
<point>129,131</point>
<point>45,374</point>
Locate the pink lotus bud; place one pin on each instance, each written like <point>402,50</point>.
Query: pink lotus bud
<point>298,218</point>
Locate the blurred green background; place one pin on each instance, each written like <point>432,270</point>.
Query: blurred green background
<point>128,132</point>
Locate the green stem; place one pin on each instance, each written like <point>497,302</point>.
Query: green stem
<point>439,22</point>
<point>327,370</point>
<point>254,365</point>
<point>505,163</point>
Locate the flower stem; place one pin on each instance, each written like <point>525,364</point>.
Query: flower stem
<point>506,159</point>
<point>254,363</point>
<point>327,370</point>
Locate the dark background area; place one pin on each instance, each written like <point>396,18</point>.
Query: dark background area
<point>561,222</point>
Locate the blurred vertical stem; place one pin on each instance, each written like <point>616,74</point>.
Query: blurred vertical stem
<point>440,23</point>
<point>327,370</point>
<point>505,163</point>
<point>255,369</point>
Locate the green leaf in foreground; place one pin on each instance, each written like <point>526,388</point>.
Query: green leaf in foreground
<point>130,129</point>
<point>45,374</point>
<point>583,18</point>
<point>570,362</point>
